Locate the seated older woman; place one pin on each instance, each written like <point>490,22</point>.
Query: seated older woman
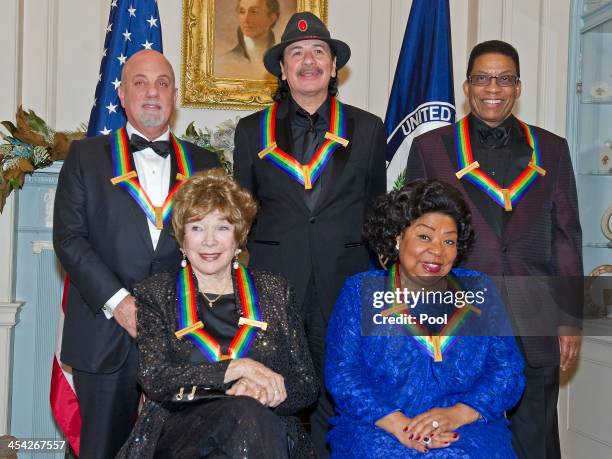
<point>422,388</point>
<point>223,359</point>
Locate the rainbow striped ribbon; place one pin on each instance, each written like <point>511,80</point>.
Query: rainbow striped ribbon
<point>193,329</point>
<point>309,173</point>
<point>468,168</point>
<point>127,178</point>
<point>434,345</point>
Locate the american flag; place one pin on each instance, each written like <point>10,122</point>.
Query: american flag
<point>133,25</point>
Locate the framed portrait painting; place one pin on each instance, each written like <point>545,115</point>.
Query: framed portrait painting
<point>223,46</point>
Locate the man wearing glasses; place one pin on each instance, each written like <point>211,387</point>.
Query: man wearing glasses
<point>519,184</point>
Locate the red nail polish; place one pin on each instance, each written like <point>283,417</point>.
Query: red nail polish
<point>418,438</point>
<point>447,442</point>
<point>410,437</point>
<point>456,435</point>
<point>431,435</point>
<point>405,429</point>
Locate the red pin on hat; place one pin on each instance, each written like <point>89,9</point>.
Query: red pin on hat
<point>305,26</point>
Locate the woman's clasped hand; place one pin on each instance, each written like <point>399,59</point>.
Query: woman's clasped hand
<point>435,428</point>
<point>253,379</point>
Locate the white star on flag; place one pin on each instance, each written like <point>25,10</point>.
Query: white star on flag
<point>104,52</point>
<point>95,101</point>
<point>114,4</point>
<point>116,83</point>
<point>122,59</point>
<point>127,35</point>
<point>152,21</point>
<point>111,108</point>
<point>132,11</point>
<point>147,45</point>
<point>109,27</point>
<point>99,78</point>
<point>105,131</point>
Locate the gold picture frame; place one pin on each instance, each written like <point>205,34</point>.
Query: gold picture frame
<point>200,87</point>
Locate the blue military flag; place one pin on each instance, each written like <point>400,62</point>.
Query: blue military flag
<point>133,25</point>
<point>422,96</point>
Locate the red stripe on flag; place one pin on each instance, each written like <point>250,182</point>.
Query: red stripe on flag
<point>64,402</point>
<point>65,293</point>
<point>65,407</point>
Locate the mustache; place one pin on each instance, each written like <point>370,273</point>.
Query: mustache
<point>310,68</point>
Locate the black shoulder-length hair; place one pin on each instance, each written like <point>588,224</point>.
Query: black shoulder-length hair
<point>395,211</point>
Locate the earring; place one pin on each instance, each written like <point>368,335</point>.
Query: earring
<point>184,260</point>
<point>235,264</point>
<point>383,262</point>
<point>397,246</point>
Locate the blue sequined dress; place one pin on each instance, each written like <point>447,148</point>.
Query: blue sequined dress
<point>372,376</point>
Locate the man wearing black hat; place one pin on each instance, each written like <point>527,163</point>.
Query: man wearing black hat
<point>315,165</point>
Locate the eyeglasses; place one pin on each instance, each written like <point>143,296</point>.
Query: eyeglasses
<point>485,80</point>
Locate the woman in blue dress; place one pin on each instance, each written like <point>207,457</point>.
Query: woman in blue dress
<point>421,358</point>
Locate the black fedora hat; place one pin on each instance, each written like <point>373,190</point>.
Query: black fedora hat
<point>305,26</point>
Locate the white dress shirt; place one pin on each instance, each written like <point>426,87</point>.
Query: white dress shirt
<point>154,177</point>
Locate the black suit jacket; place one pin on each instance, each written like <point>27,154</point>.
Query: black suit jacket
<point>326,243</point>
<point>102,239</point>
<point>541,238</point>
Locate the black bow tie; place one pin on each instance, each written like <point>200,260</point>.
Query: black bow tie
<point>494,137</point>
<point>162,148</point>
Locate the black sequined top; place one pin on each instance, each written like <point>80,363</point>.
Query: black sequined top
<point>165,362</point>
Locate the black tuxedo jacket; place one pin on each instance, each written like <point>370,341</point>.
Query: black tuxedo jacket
<point>541,238</point>
<point>102,239</point>
<point>326,243</point>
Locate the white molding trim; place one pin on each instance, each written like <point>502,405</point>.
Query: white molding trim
<point>18,55</point>
<point>39,246</point>
<point>544,67</point>
<point>507,20</point>
<point>51,64</point>
<point>8,319</point>
<point>490,19</point>
<point>7,245</point>
<point>379,58</point>
<point>8,313</point>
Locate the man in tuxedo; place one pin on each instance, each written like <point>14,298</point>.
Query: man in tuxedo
<point>107,240</point>
<point>531,240</point>
<point>315,166</point>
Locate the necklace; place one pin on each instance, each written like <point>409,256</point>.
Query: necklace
<point>212,301</point>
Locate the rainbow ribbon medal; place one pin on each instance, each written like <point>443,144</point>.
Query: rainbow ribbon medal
<point>468,168</point>
<point>127,178</point>
<point>305,174</point>
<point>190,327</point>
<point>434,345</point>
